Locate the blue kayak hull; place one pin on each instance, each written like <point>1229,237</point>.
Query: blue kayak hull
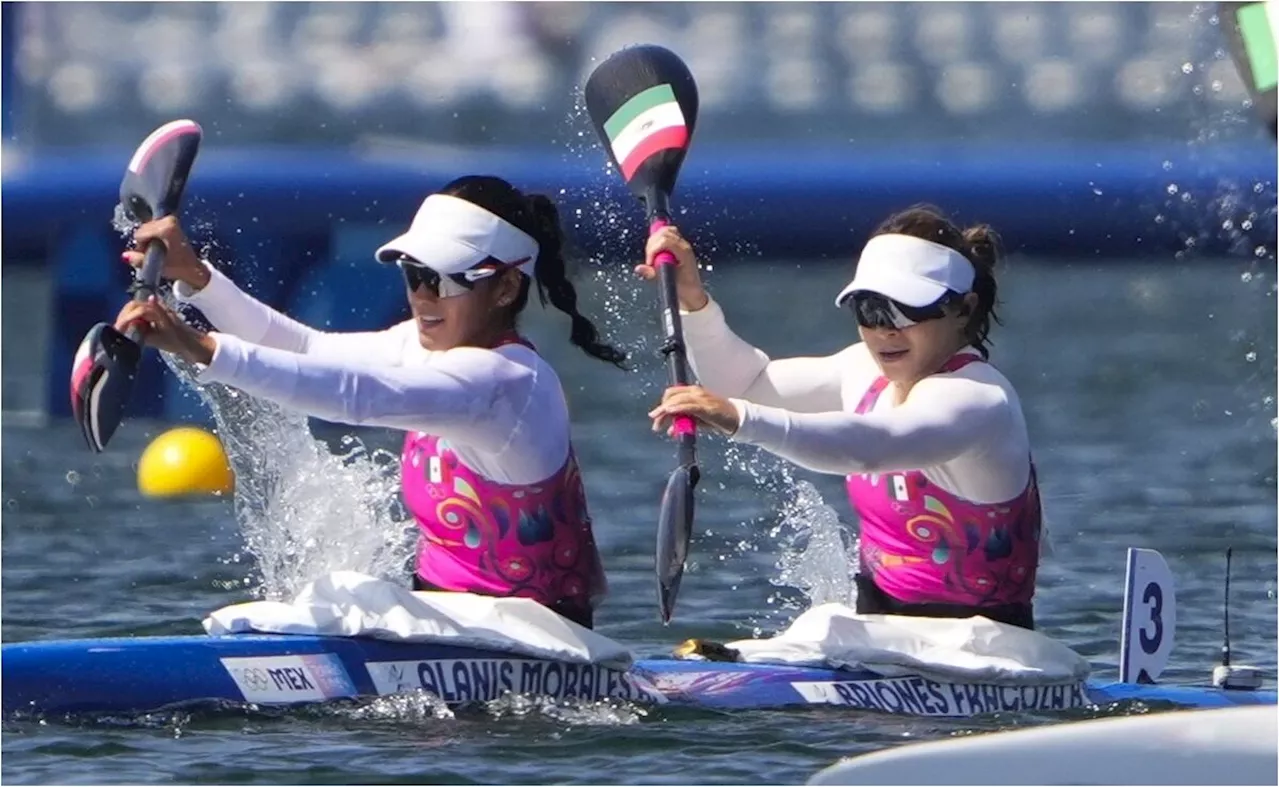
<point>143,674</point>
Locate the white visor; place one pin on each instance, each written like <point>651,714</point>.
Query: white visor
<point>450,235</point>
<point>910,270</point>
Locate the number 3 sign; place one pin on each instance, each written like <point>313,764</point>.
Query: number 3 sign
<point>1146,637</point>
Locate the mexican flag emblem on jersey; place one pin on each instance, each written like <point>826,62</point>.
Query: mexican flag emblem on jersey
<point>898,489</point>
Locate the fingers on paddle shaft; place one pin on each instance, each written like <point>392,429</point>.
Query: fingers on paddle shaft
<point>149,274</point>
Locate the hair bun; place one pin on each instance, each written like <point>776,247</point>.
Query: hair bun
<point>984,245</point>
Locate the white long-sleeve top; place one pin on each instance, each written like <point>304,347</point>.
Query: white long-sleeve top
<point>502,411</point>
<point>964,430</point>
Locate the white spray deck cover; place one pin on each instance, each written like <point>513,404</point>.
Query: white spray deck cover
<point>350,604</point>
<point>1221,746</point>
<point>971,649</point>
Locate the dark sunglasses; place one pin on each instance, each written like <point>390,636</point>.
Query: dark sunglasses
<point>418,275</point>
<point>873,310</point>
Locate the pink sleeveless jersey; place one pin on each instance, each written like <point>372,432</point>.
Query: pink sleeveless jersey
<point>922,544</point>
<point>484,537</point>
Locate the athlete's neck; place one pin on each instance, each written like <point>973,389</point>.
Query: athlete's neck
<point>901,389</point>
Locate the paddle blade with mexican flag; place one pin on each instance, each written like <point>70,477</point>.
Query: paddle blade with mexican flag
<point>644,104</point>
<point>1251,37</point>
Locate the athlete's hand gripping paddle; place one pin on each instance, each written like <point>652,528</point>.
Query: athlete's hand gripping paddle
<point>106,362</point>
<point>644,103</point>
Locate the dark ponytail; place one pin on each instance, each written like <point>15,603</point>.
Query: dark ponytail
<point>980,244</point>
<point>537,216</point>
<point>554,284</point>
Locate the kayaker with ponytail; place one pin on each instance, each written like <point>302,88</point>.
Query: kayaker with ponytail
<point>488,469</point>
<point>930,436</point>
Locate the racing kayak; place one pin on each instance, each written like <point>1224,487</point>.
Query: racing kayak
<point>146,674</point>
<point>132,675</point>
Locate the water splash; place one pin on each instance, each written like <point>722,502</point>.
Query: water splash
<point>819,557</point>
<point>576,712</point>
<point>304,511</point>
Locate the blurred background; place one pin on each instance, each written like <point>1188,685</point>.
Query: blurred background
<point>1085,129</point>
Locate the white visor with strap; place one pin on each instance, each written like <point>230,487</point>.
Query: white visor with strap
<point>450,235</point>
<point>910,270</point>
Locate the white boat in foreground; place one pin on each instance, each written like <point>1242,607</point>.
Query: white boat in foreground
<point>1221,746</point>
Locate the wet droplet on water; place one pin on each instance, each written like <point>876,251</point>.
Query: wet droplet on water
<point>73,477</point>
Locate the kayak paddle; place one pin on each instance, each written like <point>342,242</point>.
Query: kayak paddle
<point>644,103</point>
<point>106,362</point>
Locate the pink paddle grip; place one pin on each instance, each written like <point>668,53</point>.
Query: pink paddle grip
<point>664,257</point>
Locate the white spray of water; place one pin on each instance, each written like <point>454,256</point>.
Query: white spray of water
<point>302,510</point>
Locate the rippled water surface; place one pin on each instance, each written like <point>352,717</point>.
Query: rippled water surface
<point>1150,396</point>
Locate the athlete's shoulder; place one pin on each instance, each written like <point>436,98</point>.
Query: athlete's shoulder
<point>858,367</point>
<point>977,384</point>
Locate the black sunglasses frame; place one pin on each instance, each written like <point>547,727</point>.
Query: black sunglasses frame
<point>873,310</point>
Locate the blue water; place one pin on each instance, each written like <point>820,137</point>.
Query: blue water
<point>1149,393</point>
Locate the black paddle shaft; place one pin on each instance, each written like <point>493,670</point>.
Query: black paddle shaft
<point>658,209</point>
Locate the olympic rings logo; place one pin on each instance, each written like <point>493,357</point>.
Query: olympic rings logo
<point>253,678</point>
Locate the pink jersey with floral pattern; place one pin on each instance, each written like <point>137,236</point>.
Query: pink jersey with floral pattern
<point>494,539</point>
<point>922,544</point>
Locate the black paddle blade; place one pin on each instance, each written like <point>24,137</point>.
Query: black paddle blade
<point>675,526</point>
<point>1252,41</point>
<point>106,363</point>
<point>157,173</point>
<point>644,104</point>
<point>102,375</point>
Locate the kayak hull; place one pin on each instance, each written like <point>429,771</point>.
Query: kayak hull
<point>144,674</point>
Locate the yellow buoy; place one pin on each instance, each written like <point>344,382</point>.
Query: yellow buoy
<point>185,461</point>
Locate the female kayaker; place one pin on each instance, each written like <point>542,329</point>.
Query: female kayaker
<point>488,468</point>
<point>930,436</point>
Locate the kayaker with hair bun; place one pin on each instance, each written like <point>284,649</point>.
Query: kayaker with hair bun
<point>930,436</point>
<point>488,469</point>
